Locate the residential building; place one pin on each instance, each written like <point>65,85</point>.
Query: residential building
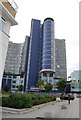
<point>15,64</point>
<point>60,59</point>
<point>13,58</point>
<point>8,10</point>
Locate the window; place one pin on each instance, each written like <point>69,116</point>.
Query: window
<point>14,76</point>
<point>13,86</point>
<point>14,81</point>
<point>73,87</point>
<point>2,23</point>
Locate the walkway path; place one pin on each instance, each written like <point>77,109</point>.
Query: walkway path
<point>52,110</point>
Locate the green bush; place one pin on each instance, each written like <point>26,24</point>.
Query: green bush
<point>23,100</point>
<point>5,101</point>
<point>17,100</point>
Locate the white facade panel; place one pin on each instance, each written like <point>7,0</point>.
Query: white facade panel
<point>3,50</point>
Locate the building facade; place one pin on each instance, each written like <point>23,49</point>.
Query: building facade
<point>41,56</point>
<point>75,78</point>
<point>33,58</point>
<point>7,19</point>
<point>13,58</point>
<point>47,63</point>
<point>15,64</point>
<point>60,59</point>
<point>13,81</point>
<point>46,55</point>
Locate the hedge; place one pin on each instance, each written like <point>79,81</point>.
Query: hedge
<point>24,100</point>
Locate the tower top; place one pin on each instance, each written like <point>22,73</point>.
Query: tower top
<point>49,18</point>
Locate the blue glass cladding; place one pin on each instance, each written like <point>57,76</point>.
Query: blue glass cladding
<point>34,55</point>
<point>6,81</point>
<point>26,63</point>
<point>47,53</point>
<point>3,83</point>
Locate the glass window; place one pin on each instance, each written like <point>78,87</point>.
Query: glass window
<point>14,81</point>
<point>47,57</point>
<point>13,86</point>
<point>14,76</point>
<point>47,43</point>
<point>2,23</point>
<point>46,61</point>
<point>47,52</point>
<point>10,76</point>
<point>46,67</point>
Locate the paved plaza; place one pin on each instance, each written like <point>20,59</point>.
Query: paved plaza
<point>52,110</point>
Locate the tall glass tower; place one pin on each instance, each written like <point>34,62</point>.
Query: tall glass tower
<point>47,62</point>
<point>41,54</point>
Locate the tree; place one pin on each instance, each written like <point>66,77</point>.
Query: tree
<point>41,84</point>
<point>48,87</point>
<point>20,88</point>
<point>61,85</point>
<point>6,88</point>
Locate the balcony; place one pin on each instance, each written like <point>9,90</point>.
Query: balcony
<point>8,11</point>
<point>11,6</point>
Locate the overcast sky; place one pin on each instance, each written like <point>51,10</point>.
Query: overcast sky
<point>66,16</point>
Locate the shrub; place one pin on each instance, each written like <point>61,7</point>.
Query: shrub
<point>6,88</point>
<point>5,101</point>
<point>17,100</point>
<point>23,100</point>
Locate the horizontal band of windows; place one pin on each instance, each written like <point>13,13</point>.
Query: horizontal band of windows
<point>49,42</point>
<point>46,51</point>
<point>50,29</point>
<point>51,64</point>
<point>52,49</point>
<point>47,62</point>
<point>46,67</point>
<point>47,55</point>
<point>48,35</point>
<point>48,38</point>
<point>48,22</point>
<point>48,47</point>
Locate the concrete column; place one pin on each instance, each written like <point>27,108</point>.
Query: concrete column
<point>48,74</point>
<point>42,76</point>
